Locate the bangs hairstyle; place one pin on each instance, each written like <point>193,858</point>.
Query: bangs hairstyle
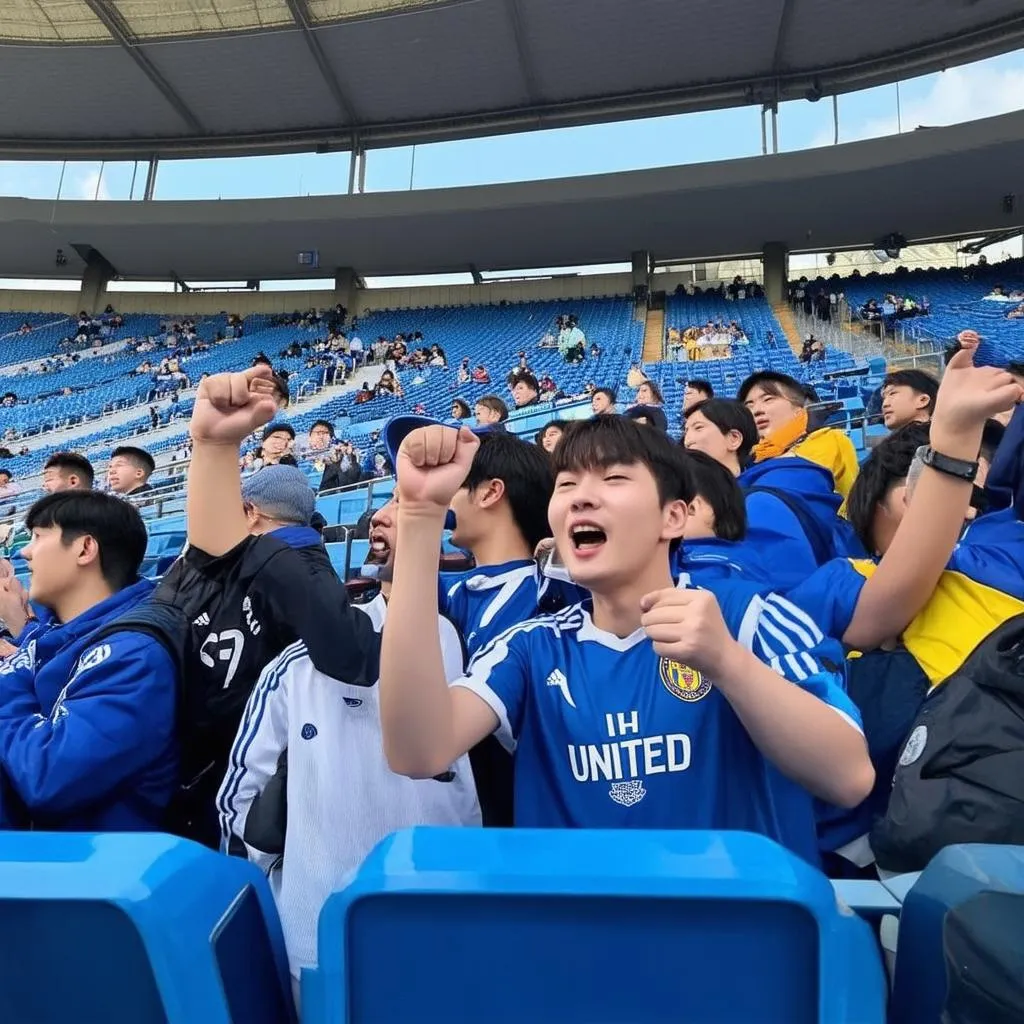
<point>718,487</point>
<point>615,440</point>
<point>727,415</point>
<point>886,467</point>
<point>525,470</point>
<point>781,385</point>
<point>113,523</point>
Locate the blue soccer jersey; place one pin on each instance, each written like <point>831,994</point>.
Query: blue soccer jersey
<point>606,734</point>
<point>485,602</point>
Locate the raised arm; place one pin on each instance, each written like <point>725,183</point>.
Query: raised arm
<point>228,407</point>
<point>426,725</point>
<point>931,526</point>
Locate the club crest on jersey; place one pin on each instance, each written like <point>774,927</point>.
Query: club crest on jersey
<point>627,793</point>
<point>682,681</point>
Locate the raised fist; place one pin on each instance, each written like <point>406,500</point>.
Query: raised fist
<point>687,626</point>
<point>433,463</point>
<point>230,406</point>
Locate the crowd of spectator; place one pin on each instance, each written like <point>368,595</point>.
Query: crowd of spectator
<point>735,630</point>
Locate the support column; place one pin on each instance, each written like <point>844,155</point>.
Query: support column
<point>150,179</point>
<point>775,259</point>
<point>93,296</point>
<point>346,288</point>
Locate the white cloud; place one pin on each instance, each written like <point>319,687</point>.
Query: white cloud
<point>955,96</point>
<point>88,185</point>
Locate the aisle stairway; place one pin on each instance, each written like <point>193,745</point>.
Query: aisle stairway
<point>787,321</point>
<point>654,336</point>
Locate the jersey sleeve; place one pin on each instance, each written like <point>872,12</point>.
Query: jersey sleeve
<point>1000,567</point>
<point>499,675</point>
<point>260,744</point>
<point>115,714</point>
<point>451,600</point>
<point>833,592</point>
<point>788,640</point>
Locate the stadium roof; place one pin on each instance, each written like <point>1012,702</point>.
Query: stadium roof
<point>128,79</point>
<point>937,183</point>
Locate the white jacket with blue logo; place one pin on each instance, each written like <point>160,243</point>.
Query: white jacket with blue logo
<point>342,798</point>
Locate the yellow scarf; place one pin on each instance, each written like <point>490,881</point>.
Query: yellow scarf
<point>780,440</point>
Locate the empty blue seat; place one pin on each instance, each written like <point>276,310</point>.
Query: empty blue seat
<point>955,876</point>
<point>516,925</point>
<point>136,928</point>
<point>357,552</point>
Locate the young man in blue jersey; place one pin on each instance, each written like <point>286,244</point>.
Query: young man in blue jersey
<point>499,515</point>
<point>649,706</point>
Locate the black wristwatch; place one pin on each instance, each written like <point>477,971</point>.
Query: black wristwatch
<point>961,469</point>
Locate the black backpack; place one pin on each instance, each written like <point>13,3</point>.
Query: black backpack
<point>208,717</point>
<point>960,776</point>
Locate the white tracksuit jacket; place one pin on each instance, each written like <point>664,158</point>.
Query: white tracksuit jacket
<point>342,797</point>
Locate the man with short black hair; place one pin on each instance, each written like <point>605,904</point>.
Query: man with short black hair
<point>87,710</point>
<point>67,471</point>
<point>129,470</point>
<point>908,396</point>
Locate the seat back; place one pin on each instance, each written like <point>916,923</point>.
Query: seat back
<point>590,926</point>
<point>136,928</point>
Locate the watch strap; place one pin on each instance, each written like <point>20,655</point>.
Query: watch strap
<point>961,469</point>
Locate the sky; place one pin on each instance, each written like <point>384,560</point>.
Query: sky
<point>983,89</point>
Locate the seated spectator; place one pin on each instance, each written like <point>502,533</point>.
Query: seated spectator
<point>779,405</point>
<point>463,374</point>
<point>649,415</point>
<point>722,428</point>
<point>696,391</point>
<point>129,470</point>
<point>8,489</point>
<point>649,394</point>
<point>380,468</point>
<point>343,468</point>
<point>321,437</point>
<point>309,837</point>
<point>481,376</point>
<point>278,440</point>
<point>525,389</point>
<point>636,630</point>
<point>460,409</point>
<point>491,411</point>
<point>67,471</point>
<point>602,401</point>
<point>908,396</point>
<point>550,434</point>
<point>389,385</point>
<point>87,710</point>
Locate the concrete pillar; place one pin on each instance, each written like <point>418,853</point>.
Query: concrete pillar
<point>775,259</point>
<point>93,296</point>
<point>346,288</point>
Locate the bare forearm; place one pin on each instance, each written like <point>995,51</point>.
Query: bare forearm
<point>216,522</point>
<point>415,702</point>
<point>804,738</point>
<point>910,569</point>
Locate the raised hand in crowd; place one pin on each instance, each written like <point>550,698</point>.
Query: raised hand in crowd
<point>230,406</point>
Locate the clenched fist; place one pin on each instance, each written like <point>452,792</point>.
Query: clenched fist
<point>433,463</point>
<point>687,626</point>
<point>230,406</point>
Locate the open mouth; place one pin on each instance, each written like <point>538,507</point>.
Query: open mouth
<point>761,423</point>
<point>380,549</point>
<point>587,538</point>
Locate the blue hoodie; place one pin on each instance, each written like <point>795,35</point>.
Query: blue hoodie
<point>711,558</point>
<point>87,724</point>
<point>792,549</point>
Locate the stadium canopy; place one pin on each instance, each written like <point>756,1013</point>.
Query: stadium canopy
<point>932,184</point>
<point>134,79</point>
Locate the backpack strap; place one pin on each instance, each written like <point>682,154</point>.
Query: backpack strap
<point>817,534</point>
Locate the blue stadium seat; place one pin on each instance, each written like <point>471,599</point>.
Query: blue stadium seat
<point>136,928</point>
<point>487,924</point>
<point>357,552</point>
<point>337,551</point>
<point>957,874</point>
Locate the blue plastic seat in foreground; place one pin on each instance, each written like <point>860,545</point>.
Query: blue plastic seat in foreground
<point>521,924</point>
<point>957,875</point>
<point>136,928</point>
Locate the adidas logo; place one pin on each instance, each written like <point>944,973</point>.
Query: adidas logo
<point>557,679</point>
<point>201,620</point>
